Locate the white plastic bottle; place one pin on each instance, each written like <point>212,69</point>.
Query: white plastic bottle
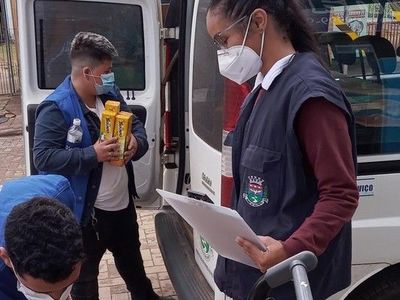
<point>74,136</point>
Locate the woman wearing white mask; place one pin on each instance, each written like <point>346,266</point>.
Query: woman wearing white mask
<point>293,151</point>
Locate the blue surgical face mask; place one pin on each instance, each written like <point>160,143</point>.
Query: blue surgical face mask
<point>108,81</point>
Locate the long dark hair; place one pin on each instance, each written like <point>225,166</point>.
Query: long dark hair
<point>287,13</point>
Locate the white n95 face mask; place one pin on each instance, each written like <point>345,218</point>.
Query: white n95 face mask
<point>32,295</point>
<point>240,63</point>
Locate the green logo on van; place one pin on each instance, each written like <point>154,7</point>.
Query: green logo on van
<point>206,248</point>
<point>255,193</point>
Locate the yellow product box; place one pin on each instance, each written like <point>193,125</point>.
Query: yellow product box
<point>123,124</point>
<point>112,106</point>
<point>130,115</point>
<point>107,124</point>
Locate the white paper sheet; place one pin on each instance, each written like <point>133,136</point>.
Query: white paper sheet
<point>218,225</point>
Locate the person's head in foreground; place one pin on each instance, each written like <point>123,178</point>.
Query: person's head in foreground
<point>43,246</point>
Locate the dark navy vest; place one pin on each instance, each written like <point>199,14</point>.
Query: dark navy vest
<point>272,191</point>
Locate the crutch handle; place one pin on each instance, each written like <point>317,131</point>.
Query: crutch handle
<point>284,272</point>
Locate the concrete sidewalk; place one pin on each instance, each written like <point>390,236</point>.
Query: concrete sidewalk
<point>112,287</point>
<point>10,116</point>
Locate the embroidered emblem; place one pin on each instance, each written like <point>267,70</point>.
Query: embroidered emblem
<point>256,193</point>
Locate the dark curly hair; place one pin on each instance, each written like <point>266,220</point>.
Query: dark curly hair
<point>43,239</point>
<point>288,14</point>
<point>91,47</point>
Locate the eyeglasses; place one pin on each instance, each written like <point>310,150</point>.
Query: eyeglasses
<point>219,40</point>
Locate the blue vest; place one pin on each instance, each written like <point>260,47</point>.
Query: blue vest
<point>67,100</point>
<point>272,191</point>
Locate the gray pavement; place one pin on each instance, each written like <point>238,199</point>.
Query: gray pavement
<point>10,116</point>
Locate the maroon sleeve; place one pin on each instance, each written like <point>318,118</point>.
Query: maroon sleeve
<point>322,130</point>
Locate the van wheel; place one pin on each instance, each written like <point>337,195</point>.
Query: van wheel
<point>384,286</point>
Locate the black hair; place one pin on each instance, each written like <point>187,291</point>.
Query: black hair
<point>91,47</point>
<point>288,14</point>
<point>43,239</point>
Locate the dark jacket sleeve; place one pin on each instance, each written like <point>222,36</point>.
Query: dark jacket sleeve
<point>49,153</point>
<point>138,130</point>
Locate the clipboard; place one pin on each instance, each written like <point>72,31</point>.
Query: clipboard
<point>218,225</point>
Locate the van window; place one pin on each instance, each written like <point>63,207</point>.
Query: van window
<point>208,85</point>
<point>360,45</point>
<point>57,22</point>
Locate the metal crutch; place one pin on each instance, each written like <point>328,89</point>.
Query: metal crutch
<point>294,268</point>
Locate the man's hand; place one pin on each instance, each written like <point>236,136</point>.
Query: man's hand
<point>132,148</point>
<point>274,254</point>
<point>107,150</point>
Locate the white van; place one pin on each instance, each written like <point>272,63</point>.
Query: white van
<point>169,77</point>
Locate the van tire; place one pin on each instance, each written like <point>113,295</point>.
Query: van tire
<point>383,286</point>
<point>175,239</point>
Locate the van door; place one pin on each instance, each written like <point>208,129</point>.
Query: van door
<point>214,104</point>
<point>205,127</point>
<point>46,29</point>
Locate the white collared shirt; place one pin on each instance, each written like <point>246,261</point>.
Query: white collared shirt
<point>274,72</point>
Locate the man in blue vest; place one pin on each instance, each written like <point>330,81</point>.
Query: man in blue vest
<point>41,246</point>
<point>104,192</point>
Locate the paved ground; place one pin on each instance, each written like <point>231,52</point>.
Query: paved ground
<point>112,287</point>
<point>10,116</point>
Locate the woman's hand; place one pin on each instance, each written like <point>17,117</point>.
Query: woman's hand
<point>274,254</point>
